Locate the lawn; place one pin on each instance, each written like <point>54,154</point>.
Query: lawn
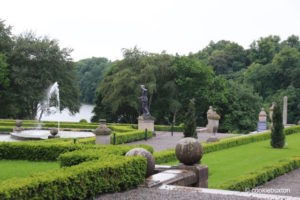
<point>230,163</point>
<point>23,168</point>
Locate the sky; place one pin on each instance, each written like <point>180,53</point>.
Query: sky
<point>102,28</point>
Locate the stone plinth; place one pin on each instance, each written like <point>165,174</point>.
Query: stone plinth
<point>201,172</point>
<point>146,122</point>
<point>102,133</point>
<point>212,125</point>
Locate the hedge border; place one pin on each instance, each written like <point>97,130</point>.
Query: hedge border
<point>169,155</point>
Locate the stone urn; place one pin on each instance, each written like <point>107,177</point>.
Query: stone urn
<point>189,151</point>
<point>102,133</point>
<point>18,127</point>
<point>299,122</point>
<point>147,155</point>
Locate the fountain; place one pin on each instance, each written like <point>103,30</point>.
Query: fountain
<point>49,105</point>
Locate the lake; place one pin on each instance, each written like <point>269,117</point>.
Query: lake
<point>85,112</point>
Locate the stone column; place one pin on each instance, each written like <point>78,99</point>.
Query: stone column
<point>284,113</point>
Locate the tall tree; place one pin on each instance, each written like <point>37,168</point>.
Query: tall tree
<point>90,72</point>
<point>190,120</point>
<point>35,64</point>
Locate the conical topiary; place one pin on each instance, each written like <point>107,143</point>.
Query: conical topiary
<point>190,120</point>
<point>277,134</point>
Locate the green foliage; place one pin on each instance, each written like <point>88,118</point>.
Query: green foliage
<point>131,136</point>
<point>83,121</point>
<point>83,181</point>
<point>168,128</point>
<point>225,57</point>
<point>240,112</point>
<point>190,121</point>
<point>90,72</point>
<point>277,134</point>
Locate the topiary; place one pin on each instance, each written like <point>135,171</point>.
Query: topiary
<point>190,121</point>
<point>277,134</point>
<point>83,121</point>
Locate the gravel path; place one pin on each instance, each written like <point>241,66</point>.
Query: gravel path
<point>288,184</point>
<point>163,140</point>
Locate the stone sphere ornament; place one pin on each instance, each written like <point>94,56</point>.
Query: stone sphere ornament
<point>189,151</point>
<point>19,123</point>
<point>147,155</point>
<point>54,131</point>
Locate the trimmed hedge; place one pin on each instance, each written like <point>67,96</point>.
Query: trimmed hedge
<point>105,152</point>
<point>35,150</point>
<point>168,128</point>
<point>83,181</point>
<point>169,155</point>
<point>260,177</point>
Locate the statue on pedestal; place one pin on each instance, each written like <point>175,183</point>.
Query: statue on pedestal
<point>144,100</point>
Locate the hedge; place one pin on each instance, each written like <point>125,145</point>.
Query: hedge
<point>168,128</point>
<point>105,152</point>
<point>169,155</point>
<point>262,176</point>
<point>83,181</point>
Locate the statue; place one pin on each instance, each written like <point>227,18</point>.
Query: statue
<point>144,100</point>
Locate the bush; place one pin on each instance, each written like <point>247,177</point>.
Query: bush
<point>84,121</point>
<point>127,137</point>
<point>83,181</point>
<point>168,128</point>
<point>277,134</point>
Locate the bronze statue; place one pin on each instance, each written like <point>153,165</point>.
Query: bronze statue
<point>144,100</point>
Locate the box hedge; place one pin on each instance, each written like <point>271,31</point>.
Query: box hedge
<point>83,181</point>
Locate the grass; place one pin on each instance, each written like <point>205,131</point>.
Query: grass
<point>237,161</point>
<point>23,168</point>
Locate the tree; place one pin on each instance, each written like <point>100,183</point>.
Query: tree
<point>263,50</point>
<point>277,134</point>
<point>6,42</point>
<point>190,121</point>
<point>90,72</point>
<point>34,64</point>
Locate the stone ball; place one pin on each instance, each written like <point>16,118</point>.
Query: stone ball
<point>189,151</point>
<point>147,155</point>
<point>19,123</point>
<point>53,131</point>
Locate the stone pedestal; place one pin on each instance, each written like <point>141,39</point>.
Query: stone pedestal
<point>102,139</point>
<point>102,133</point>
<point>201,172</point>
<point>146,123</point>
<point>262,121</point>
<point>212,125</point>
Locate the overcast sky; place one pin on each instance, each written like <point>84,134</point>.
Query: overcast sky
<point>101,28</point>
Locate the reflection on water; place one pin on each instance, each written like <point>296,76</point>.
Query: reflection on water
<point>85,112</point>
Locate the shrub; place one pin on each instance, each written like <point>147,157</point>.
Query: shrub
<point>190,120</point>
<point>277,134</point>
<point>84,121</point>
<point>83,181</point>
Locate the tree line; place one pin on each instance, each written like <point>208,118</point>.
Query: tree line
<point>234,80</point>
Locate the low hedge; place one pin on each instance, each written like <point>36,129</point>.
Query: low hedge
<point>168,128</point>
<point>35,150</point>
<point>83,181</point>
<point>104,152</point>
<point>132,136</point>
<point>262,176</point>
<point>169,155</point>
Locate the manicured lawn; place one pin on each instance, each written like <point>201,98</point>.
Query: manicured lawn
<point>230,163</point>
<point>23,168</point>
